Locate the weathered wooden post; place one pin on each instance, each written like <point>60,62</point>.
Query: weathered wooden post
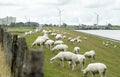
<point>1,35</point>
<point>34,64</point>
<point>21,54</point>
<point>14,54</point>
<point>7,46</point>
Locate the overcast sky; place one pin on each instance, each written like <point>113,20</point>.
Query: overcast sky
<point>72,11</point>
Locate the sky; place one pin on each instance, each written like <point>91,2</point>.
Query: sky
<point>73,12</point>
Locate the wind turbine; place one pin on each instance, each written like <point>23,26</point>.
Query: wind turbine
<point>59,16</point>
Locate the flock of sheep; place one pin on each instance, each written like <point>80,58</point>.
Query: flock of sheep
<point>72,57</point>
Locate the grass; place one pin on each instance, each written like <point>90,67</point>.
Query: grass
<point>108,55</point>
<point>5,69</point>
<point>19,30</point>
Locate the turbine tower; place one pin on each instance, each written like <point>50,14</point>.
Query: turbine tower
<point>59,16</point>
<point>97,18</point>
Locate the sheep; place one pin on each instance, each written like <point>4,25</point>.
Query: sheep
<point>40,41</point>
<point>58,42</point>
<point>76,50</point>
<point>85,38</point>
<point>27,33</point>
<point>90,54</point>
<point>58,36</point>
<point>73,40</point>
<point>69,38</point>
<point>44,31</point>
<point>78,40</point>
<point>64,37</point>
<point>60,47</point>
<point>106,43</point>
<point>53,34</point>
<point>49,43</point>
<point>80,60</point>
<point>95,68</point>
<point>65,56</point>
<point>114,46</point>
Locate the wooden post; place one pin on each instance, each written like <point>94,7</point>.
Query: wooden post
<point>1,35</point>
<point>21,54</point>
<point>14,54</point>
<point>34,64</point>
<point>7,46</point>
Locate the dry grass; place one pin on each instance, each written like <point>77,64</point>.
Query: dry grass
<point>4,68</point>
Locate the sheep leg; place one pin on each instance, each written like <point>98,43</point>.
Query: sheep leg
<point>101,74</point>
<point>62,63</point>
<point>82,65</point>
<point>93,74</point>
<point>73,65</point>
<point>94,57</point>
<point>104,74</point>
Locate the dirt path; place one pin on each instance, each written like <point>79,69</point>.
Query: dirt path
<point>4,69</point>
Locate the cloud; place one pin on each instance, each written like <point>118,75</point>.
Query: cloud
<point>7,4</point>
<point>73,11</point>
<point>97,3</point>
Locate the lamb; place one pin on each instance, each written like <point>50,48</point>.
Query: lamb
<point>76,50</point>
<point>65,56</point>
<point>62,47</point>
<point>90,54</point>
<point>49,43</point>
<point>95,68</point>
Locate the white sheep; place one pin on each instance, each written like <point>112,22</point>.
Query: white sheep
<point>53,34</point>
<point>64,37</point>
<point>90,54</point>
<point>114,46</point>
<point>58,42</point>
<point>76,50</point>
<point>69,38</point>
<point>85,38</point>
<point>49,43</point>
<point>29,32</point>
<point>95,68</point>
<point>60,47</point>
<point>40,41</point>
<point>65,56</point>
<point>80,60</point>
<point>79,40</point>
<point>58,36</point>
<point>73,40</point>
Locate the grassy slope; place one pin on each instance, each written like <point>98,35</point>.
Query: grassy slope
<point>5,70</point>
<point>108,55</point>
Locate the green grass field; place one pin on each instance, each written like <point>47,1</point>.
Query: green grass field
<point>108,55</point>
<point>19,30</point>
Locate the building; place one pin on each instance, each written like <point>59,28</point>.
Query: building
<point>7,20</point>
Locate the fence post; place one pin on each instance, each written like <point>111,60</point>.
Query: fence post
<point>21,54</point>
<point>7,46</point>
<point>1,35</point>
<point>14,53</point>
<point>34,64</point>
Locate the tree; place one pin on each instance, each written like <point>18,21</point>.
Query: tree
<point>64,25</point>
<point>109,25</point>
